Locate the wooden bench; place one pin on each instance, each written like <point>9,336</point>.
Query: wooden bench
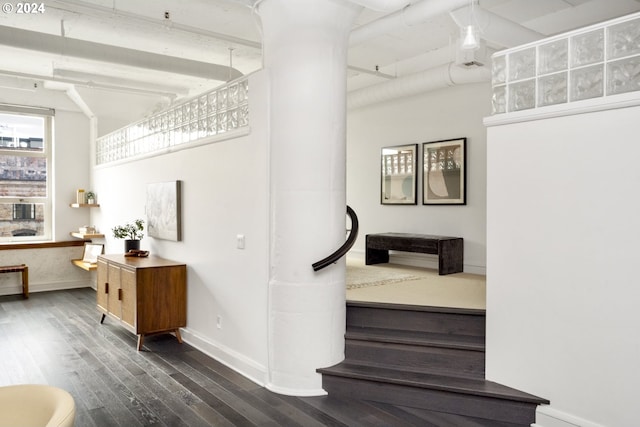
<point>22,268</point>
<point>450,250</point>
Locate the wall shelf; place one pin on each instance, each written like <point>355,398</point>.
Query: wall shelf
<point>84,205</point>
<point>84,265</point>
<point>86,236</point>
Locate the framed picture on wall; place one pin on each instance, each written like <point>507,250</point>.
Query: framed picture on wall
<point>444,172</point>
<point>399,177</point>
<point>164,210</point>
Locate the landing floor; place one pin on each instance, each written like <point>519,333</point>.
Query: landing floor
<point>419,286</point>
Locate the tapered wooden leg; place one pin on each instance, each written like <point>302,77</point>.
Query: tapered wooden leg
<point>178,336</point>
<point>102,319</point>
<point>140,341</point>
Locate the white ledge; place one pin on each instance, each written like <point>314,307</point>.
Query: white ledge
<point>232,134</point>
<point>625,100</point>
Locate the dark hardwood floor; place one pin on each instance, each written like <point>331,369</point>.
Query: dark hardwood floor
<point>56,338</point>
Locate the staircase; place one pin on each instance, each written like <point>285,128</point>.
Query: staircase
<point>428,361</point>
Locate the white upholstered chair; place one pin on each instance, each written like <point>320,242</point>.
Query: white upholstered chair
<point>36,405</point>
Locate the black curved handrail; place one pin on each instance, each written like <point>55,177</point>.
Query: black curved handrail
<point>342,250</point>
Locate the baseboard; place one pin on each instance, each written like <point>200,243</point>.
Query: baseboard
<point>417,260</point>
<point>236,361</point>
<point>295,392</point>
<point>546,416</point>
<point>45,287</point>
<point>239,363</point>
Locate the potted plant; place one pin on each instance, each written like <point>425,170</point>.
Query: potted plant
<point>91,197</point>
<point>132,232</point>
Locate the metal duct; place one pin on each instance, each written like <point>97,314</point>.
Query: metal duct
<point>412,84</point>
<point>413,14</point>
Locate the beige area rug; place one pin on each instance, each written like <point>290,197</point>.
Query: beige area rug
<point>393,283</point>
<point>362,277</point>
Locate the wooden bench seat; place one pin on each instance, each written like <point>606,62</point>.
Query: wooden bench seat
<point>450,250</point>
<point>22,268</point>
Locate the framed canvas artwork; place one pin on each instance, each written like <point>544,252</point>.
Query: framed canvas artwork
<point>398,176</point>
<point>164,210</point>
<point>444,172</point>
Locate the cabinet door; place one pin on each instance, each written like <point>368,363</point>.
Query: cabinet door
<point>102,296</point>
<point>128,293</point>
<point>113,273</point>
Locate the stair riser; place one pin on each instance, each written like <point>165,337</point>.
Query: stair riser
<point>445,360</point>
<point>435,400</point>
<point>440,419</point>
<point>421,321</point>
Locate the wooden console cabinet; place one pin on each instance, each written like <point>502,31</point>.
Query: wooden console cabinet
<point>147,295</point>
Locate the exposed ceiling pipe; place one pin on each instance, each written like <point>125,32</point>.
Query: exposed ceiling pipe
<point>73,94</point>
<point>376,72</point>
<point>110,87</point>
<point>413,14</point>
<point>382,5</point>
<point>412,84</point>
<point>116,83</point>
<point>496,29</point>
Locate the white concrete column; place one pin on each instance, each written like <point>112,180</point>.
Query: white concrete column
<point>305,51</point>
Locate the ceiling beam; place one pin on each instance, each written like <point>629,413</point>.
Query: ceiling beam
<point>68,47</point>
<point>102,12</point>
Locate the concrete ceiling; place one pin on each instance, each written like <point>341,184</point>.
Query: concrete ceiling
<point>157,52</point>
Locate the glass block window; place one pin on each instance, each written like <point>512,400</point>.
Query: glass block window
<point>623,75</point>
<point>596,62</point>
<point>221,110</point>
<point>552,89</point>
<point>587,48</point>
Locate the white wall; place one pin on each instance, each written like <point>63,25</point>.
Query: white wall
<point>224,193</point>
<point>562,283</point>
<point>49,269</point>
<point>71,171</point>
<point>443,114</point>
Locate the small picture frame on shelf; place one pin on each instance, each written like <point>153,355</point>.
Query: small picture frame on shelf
<point>444,172</point>
<point>398,175</point>
<point>80,196</point>
<point>91,252</point>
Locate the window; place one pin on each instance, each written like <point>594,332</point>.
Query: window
<point>24,211</point>
<point>25,160</point>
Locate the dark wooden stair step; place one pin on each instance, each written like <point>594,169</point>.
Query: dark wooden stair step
<point>434,339</point>
<point>417,338</point>
<point>438,320</point>
<point>424,363</point>
<point>462,385</point>
<point>426,418</point>
<point>434,392</point>
<point>438,360</point>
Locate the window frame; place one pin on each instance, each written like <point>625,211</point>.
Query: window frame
<point>47,153</point>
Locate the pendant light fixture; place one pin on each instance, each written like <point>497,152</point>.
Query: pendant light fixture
<point>470,34</point>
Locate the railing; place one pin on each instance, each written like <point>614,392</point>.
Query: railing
<point>342,250</point>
